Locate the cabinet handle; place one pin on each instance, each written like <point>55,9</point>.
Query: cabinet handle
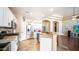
<point>9,23</point>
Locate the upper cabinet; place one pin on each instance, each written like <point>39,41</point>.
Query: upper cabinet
<point>1,16</point>
<point>6,17</point>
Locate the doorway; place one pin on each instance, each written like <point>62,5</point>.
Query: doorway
<point>56,26</point>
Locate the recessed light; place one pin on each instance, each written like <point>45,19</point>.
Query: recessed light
<point>31,13</point>
<point>42,15</point>
<point>57,15</point>
<point>74,18</point>
<point>51,9</point>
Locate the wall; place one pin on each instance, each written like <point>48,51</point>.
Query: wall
<point>36,26</point>
<point>59,28</point>
<point>18,24</point>
<point>68,25</point>
<point>51,24</point>
<point>46,24</point>
<point>21,27</point>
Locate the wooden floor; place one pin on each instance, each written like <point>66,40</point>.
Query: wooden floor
<point>68,44</point>
<point>29,45</point>
<point>63,44</point>
<point>33,45</point>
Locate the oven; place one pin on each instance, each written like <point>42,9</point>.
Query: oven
<point>5,46</point>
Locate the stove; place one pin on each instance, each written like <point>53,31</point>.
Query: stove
<point>5,46</point>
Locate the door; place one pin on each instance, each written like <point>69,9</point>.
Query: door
<point>56,26</point>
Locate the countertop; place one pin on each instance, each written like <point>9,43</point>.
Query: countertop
<point>7,39</point>
<point>44,35</point>
<point>9,34</point>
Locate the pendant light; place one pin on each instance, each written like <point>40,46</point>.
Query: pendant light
<point>73,16</point>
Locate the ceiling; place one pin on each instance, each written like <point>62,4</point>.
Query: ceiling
<point>40,12</point>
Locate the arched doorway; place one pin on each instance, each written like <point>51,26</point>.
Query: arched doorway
<point>55,26</point>
<point>46,26</point>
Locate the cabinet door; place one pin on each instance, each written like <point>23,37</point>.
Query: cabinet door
<point>45,44</point>
<point>6,17</point>
<point>11,17</point>
<point>1,16</point>
<point>14,45</point>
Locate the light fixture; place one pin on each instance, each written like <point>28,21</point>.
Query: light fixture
<point>57,15</point>
<point>51,9</point>
<point>73,16</point>
<point>31,13</point>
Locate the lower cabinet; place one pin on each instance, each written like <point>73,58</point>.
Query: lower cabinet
<point>14,44</point>
<point>5,46</point>
<point>45,44</point>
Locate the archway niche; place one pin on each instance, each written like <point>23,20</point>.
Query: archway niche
<point>46,26</point>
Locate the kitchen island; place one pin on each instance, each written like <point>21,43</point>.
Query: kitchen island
<point>48,42</point>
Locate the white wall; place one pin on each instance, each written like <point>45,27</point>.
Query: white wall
<point>51,25</point>
<point>60,27</point>
<point>68,25</point>
<point>21,28</point>
<point>36,26</point>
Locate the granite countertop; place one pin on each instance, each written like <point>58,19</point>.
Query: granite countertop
<point>9,34</point>
<point>7,39</point>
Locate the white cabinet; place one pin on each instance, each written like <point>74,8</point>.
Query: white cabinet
<point>14,44</point>
<point>11,17</point>
<point>6,16</point>
<point>45,44</point>
<point>1,16</point>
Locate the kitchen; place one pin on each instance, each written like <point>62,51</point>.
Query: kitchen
<point>38,28</point>
<point>9,38</point>
<point>13,30</point>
